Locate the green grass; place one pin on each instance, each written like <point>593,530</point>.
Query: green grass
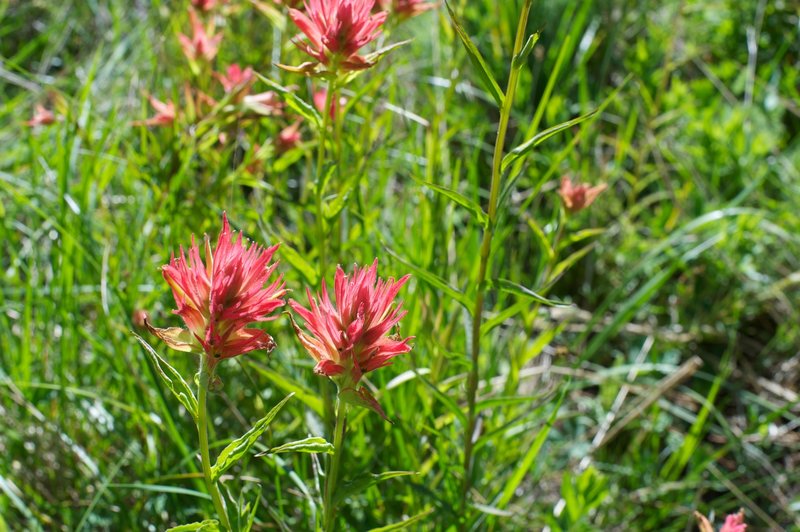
<point>696,253</point>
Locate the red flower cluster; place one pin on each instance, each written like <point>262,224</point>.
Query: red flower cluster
<point>336,31</point>
<point>407,8</point>
<point>219,298</point>
<point>351,337</point>
<point>201,45</point>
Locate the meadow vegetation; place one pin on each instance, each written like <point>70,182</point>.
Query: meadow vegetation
<point>609,358</point>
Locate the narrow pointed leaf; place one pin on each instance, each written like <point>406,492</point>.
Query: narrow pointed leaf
<point>361,397</point>
<point>530,456</point>
<point>362,482</point>
<point>505,285</point>
<point>171,378</point>
<point>239,447</point>
<point>307,445</point>
<point>489,83</point>
<point>523,54</point>
<point>406,523</point>
<point>299,106</point>
<point>434,280</point>
<point>527,146</point>
<point>209,525</point>
<point>462,200</point>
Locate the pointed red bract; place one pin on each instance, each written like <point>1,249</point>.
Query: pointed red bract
<point>165,113</point>
<point>201,45</point>
<point>351,337</point>
<point>41,117</point>
<point>734,523</point>
<point>337,30</point>
<point>578,197</point>
<point>407,8</point>
<point>235,78</point>
<point>218,298</point>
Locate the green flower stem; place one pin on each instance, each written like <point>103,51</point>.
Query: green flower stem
<point>202,431</point>
<point>327,388</point>
<point>320,178</point>
<point>486,246</point>
<point>332,476</point>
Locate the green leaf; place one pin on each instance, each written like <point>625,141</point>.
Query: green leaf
<point>523,54</point>
<point>462,200</point>
<point>489,83</point>
<point>567,263</point>
<point>209,525</point>
<point>172,379</point>
<point>530,456</point>
<point>434,280</point>
<point>239,447</point>
<point>289,385</point>
<point>505,285</point>
<point>299,106</point>
<point>362,482</point>
<point>300,264</point>
<point>537,139</point>
<point>361,397</point>
<point>308,445</point>
<point>405,523</point>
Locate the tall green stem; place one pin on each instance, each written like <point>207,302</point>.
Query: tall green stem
<point>320,181</point>
<point>322,244</point>
<point>486,246</point>
<point>202,431</point>
<point>332,476</point>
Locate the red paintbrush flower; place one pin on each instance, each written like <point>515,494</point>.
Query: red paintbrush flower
<point>205,5</point>
<point>351,337</point>
<point>578,197</point>
<point>733,523</point>
<point>288,138</point>
<point>236,78</point>
<point>336,31</point>
<point>407,8</point>
<point>201,45</point>
<point>165,113</point>
<point>41,117</point>
<point>219,298</point>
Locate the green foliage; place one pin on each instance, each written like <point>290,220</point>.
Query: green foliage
<point>692,251</point>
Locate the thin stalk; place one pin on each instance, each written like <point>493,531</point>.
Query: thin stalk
<point>332,476</point>
<point>486,246</point>
<point>202,431</point>
<point>320,178</point>
<point>327,388</point>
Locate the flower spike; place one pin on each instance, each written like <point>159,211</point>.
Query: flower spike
<point>219,296</point>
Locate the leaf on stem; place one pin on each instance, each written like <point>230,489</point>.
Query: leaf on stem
<point>361,397</point>
<point>171,378</point>
<point>208,525</point>
<point>511,287</point>
<point>462,200</point>
<point>524,148</point>
<point>298,105</point>
<point>489,83</point>
<point>307,445</point>
<point>362,482</point>
<point>239,447</point>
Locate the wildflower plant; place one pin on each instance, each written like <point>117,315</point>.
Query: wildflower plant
<point>347,339</point>
<point>218,294</point>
